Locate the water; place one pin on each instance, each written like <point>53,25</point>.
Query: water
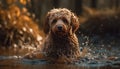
<point>103,53</point>
<point>40,64</point>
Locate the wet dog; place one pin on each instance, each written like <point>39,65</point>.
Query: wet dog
<point>61,44</point>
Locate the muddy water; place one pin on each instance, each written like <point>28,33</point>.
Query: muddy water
<point>103,53</point>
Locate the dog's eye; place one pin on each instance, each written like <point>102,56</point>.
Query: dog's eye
<point>65,20</point>
<point>54,21</point>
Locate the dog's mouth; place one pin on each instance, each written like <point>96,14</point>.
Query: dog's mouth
<point>62,33</point>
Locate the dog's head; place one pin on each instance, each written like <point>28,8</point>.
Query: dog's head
<point>61,22</point>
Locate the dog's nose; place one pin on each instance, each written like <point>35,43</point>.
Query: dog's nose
<point>59,28</point>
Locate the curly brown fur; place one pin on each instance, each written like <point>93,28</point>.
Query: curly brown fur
<point>61,44</point>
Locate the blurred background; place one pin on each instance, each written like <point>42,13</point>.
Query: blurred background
<point>38,8</point>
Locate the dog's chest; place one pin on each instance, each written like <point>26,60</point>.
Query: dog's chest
<point>61,47</point>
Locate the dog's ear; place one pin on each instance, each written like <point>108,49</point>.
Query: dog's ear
<point>74,23</point>
<point>46,26</point>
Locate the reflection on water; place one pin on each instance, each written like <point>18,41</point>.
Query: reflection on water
<point>39,64</point>
<point>102,54</point>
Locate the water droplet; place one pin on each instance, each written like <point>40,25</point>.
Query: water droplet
<point>9,16</point>
<point>15,45</point>
<point>24,29</point>
<point>31,30</point>
<point>39,37</point>
<point>21,32</point>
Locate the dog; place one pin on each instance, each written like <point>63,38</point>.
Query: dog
<point>61,43</point>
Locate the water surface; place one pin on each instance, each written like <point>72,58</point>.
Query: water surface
<point>103,53</point>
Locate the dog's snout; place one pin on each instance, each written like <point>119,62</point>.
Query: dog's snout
<point>59,27</point>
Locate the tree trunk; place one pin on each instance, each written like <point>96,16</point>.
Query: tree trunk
<point>78,6</point>
<point>94,3</point>
<point>55,3</point>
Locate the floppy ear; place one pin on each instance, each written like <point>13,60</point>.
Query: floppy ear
<point>74,23</point>
<point>46,26</point>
